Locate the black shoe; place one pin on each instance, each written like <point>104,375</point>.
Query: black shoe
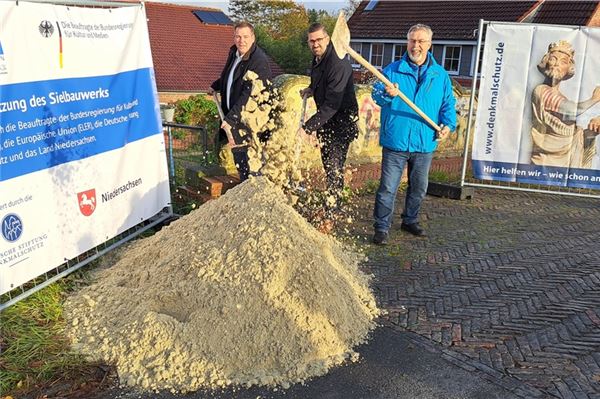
<point>413,229</point>
<point>380,238</point>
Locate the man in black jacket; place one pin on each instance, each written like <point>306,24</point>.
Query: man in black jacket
<point>332,86</point>
<point>235,91</point>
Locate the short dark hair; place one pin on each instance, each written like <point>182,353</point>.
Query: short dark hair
<point>317,26</point>
<point>244,24</point>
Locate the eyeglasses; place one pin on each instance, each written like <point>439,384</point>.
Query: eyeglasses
<point>317,40</point>
<point>419,42</point>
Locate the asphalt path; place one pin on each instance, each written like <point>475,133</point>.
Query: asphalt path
<point>393,364</point>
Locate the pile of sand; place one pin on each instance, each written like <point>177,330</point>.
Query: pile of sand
<point>241,291</point>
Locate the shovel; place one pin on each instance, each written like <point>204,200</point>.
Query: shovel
<point>230,139</point>
<point>341,43</point>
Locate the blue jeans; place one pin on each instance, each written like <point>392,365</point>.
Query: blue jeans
<point>392,166</point>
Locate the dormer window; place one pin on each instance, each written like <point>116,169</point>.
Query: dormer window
<point>371,5</point>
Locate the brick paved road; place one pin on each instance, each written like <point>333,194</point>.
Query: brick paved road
<point>507,284</point>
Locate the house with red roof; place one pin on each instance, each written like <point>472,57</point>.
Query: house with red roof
<point>378,28</point>
<point>189,46</point>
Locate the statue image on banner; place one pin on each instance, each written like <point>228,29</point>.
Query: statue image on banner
<point>557,140</point>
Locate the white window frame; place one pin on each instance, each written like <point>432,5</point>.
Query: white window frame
<point>378,66</point>
<point>473,59</point>
<point>451,72</point>
<point>353,62</point>
<point>396,57</point>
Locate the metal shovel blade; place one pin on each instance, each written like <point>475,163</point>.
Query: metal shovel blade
<point>341,36</point>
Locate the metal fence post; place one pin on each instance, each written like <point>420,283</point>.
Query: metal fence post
<point>171,162</point>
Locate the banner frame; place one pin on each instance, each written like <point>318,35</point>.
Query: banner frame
<point>484,24</point>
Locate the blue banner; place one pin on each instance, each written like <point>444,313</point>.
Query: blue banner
<point>48,123</point>
<point>536,174</point>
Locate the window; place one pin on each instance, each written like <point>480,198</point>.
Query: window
<point>358,48</point>
<point>377,54</point>
<point>480,58</point>
<point>371,5</point>
<point>452,59</point>
<point>399,50</point>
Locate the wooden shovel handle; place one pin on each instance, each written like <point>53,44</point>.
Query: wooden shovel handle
<point>385,80</point>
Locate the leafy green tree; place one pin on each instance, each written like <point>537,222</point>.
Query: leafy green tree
<point>291,54</point>
<point>280,18</point>
<point>280,27</point>
<point>245,10</point>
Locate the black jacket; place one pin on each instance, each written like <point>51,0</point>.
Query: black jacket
<point>254,60</point>
<point>332,85</point>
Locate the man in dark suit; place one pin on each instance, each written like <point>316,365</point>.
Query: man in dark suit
<point>235,91</point>
<point>334,124</point>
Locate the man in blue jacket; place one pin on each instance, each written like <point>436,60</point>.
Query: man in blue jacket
<point>406,138</point>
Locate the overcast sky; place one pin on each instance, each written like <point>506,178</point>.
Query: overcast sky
<point>333,6</point>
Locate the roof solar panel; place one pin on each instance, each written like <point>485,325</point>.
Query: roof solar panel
<point>213,17</point>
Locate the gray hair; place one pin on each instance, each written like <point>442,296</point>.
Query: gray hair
<point>423,27</point>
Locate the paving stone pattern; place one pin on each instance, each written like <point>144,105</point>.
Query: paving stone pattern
<point>507,284</point>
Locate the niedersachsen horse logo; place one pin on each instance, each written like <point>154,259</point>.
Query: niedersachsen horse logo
<point>87,202</point>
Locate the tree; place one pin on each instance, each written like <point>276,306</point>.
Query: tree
<point>280,27</point>
<point>323,17</point>
<point>275,15</point>
<point>291,54</point>
<point>351,7</point>
<point>245,10</point>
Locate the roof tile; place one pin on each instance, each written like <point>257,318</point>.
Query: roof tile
<point>458,20</point>
<point>188,54</point>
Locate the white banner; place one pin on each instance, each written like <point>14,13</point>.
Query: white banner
<point>538,115</point>
<point>82,157</point>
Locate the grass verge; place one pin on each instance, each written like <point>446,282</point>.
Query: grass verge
<point>33,347</point>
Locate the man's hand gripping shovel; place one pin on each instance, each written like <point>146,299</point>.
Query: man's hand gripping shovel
<point>225,125</point>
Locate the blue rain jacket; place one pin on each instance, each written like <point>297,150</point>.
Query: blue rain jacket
<point>429,88</point>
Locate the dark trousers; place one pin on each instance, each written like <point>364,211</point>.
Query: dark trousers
<point>333,155</point>
<point>240,158</point>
